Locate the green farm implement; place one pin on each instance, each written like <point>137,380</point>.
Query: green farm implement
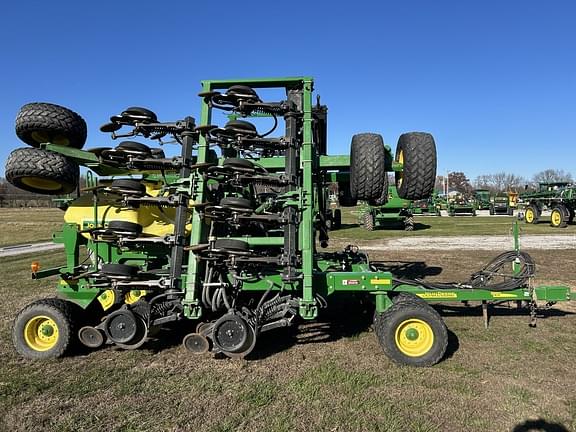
<point>559,198</point>
<point>482,197</point>
<point>500,204</point>
<point>461,206</point>
<point>228,234</point>
<point>395,211</point>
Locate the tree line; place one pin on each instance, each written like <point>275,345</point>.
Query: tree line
<point>502,181</point>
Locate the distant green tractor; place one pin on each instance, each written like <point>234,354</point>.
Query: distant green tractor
<point>394,212</point>
<point>500,204</point>
<point>461,206</point>
<point>482,197</point>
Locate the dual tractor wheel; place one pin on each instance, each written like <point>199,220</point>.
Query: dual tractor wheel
<point>40,171</point>
<point>416,152</point>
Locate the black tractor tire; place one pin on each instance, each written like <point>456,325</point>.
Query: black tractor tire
<point>368,177</point>
<point>38,123</point>
<point>559,216</point>
<point>33,330</point>
<point>114,269</point>
<point>409,223</point>
<point>336,219</point>
<point>368,222</point>
<point>232,245</point>
<point>417,152</point>
<point>41,171</point>
<point>532,214</point>
<point>407,319</point>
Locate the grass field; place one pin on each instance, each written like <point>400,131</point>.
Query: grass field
<point>28,225</point>
<point>329,375</point>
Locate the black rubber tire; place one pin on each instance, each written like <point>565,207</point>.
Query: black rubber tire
<point>133,146</point>
<point>27,168</point>
<point>535,212</point>
<point>119,269</point>
<point>406,297</point>
<point>238,163</point>
<point>561,211</point>
<point>147,115</point>
<point>129,186</point>
<point>233,202</point>
<point>368,175</point>
<point>125,227</point>
<point>368,222</point>
<point>241,127</point>
<point>387,323</point>
<point>409,223</point>
<point>39,122</point>
<point>336,219</point>
<point>231,245</point>
<point>61,312</point>
<point>417,179</point>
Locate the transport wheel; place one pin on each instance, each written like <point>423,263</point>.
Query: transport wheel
<point>44,329</point>
<point>559,216</point>
<point>337,219</point>
<point>368,177</point>
<point>411,332</point>
<point>531,214</point>
<point>368,221</point>
<point>38,123</point>
<point>416,151</point>
<point>409,223</point>
<point>41,171</point>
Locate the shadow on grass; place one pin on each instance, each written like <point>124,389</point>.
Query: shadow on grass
<point>399,226</point>
<point>407,269</point>
<point>539,425</point>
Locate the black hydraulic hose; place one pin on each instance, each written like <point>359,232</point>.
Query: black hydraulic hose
<point>483,279</point>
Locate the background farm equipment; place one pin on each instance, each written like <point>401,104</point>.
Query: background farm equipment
<point>227,235</point>
<point>461,205</point>
<point>482,197</point>
<point>431,206</point>
<point>396,211</point>
<point>559,198</point>
<point>500,204</point>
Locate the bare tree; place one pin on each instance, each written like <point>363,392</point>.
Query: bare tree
<point>552,176</point>
<point>499,182</point>
<point>459,182</point>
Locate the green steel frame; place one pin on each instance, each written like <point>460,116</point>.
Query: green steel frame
<point>315,171</point>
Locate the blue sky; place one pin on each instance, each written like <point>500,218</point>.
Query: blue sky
<point>494,82</point>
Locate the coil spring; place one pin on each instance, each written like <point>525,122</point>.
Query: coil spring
<point>160,309</point>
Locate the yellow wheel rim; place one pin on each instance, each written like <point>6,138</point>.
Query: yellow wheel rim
<point>414,337</point>
<point>41,138</point>
<point>41,183</point>
<point>133,296</point>
<point>41,333</point>
<point>529,216</point>
<point>400,175</point>
<point>556,217</point>
<point>107,299</point>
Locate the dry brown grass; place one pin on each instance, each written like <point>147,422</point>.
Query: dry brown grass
<point>28,225</point>
<point>330,375</point>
